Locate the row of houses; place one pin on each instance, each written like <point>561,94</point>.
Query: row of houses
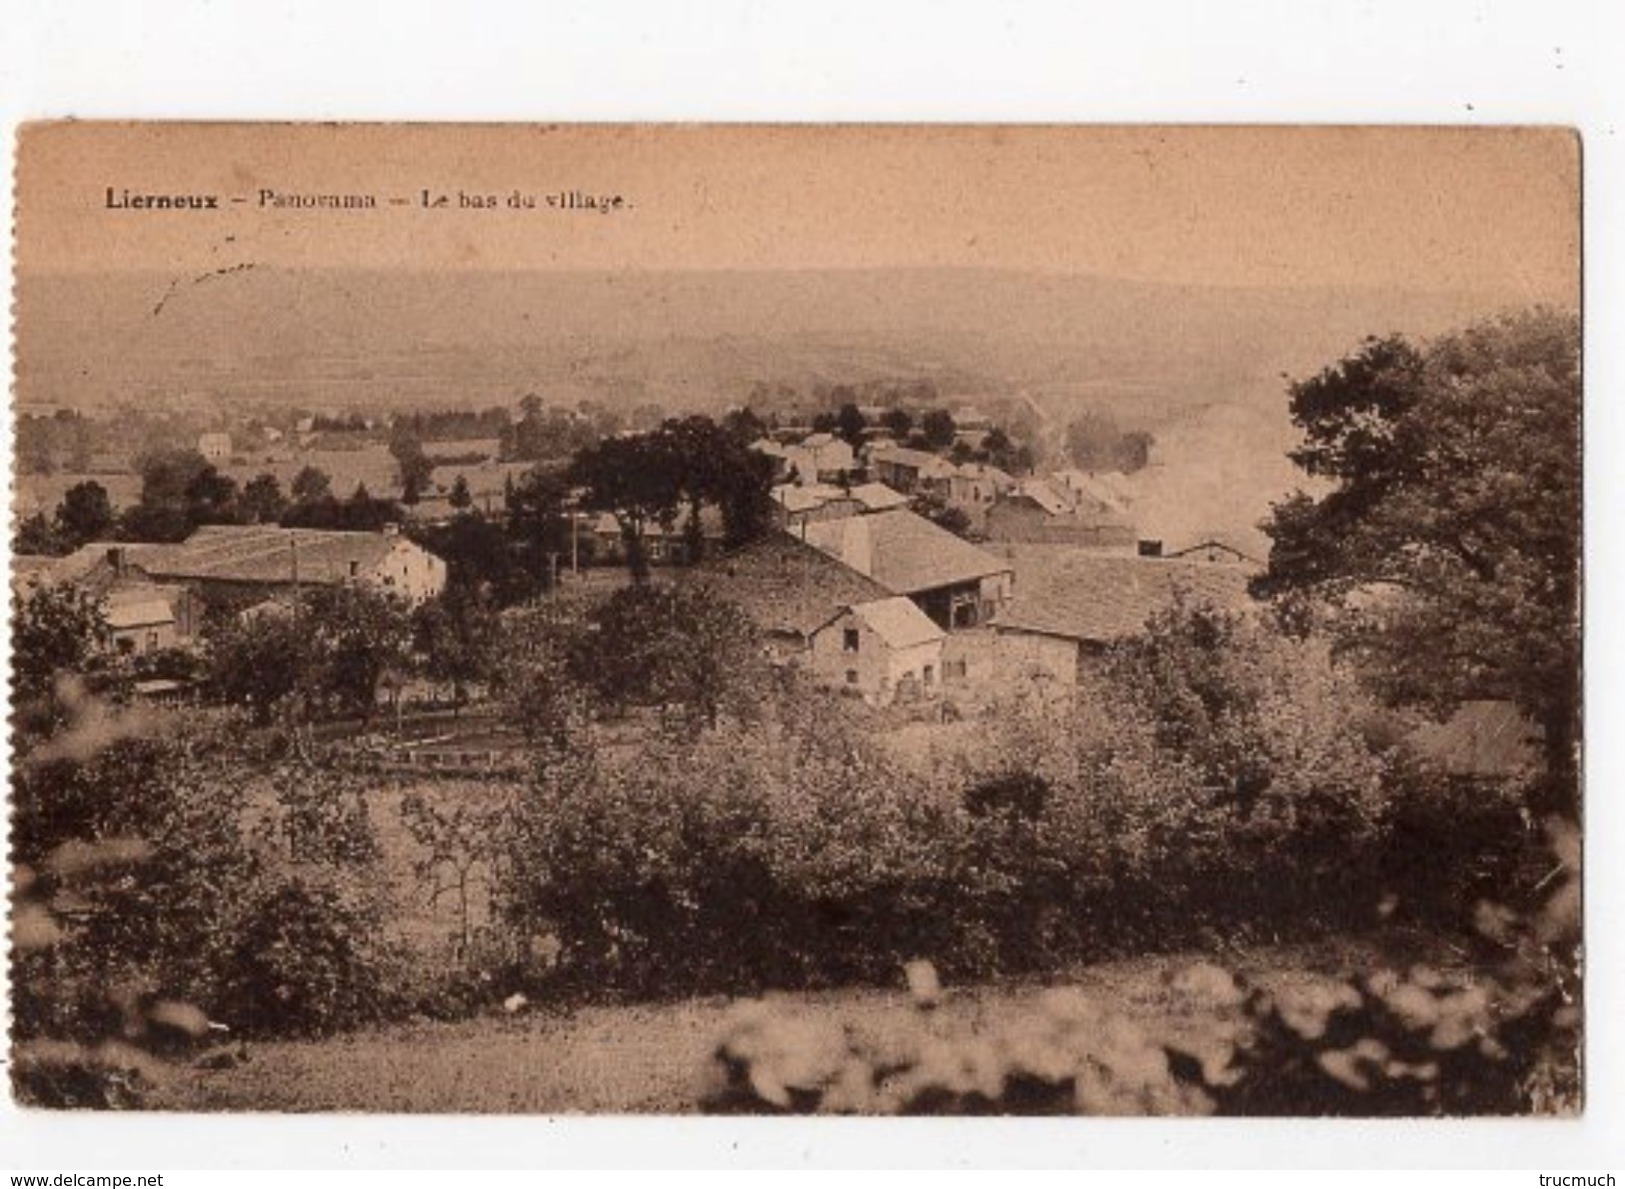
<point>821,478</point>
<point>891,606</point>
<point>155,595</point>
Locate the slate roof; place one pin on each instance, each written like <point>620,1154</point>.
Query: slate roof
<point>903,456</point>
<point>877,497</point>
<point>902,551</point>
<point>1045,496</point>
<point>263,554</point>
<point>1085,594</point>
<point>899,622</point>
<point>137,608</point>
<point>785,586</point>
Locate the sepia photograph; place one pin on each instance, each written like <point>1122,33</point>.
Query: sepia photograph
<point>867,620</point>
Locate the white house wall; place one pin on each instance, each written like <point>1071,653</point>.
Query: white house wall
<point>880,668</point>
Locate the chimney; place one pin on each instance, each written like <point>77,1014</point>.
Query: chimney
<point>857,545</point>
<point>115,559</point>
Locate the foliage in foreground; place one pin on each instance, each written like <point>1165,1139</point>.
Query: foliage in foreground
<point>1381,1044</point>
<point>163,865</point>
<point>1224,781</point>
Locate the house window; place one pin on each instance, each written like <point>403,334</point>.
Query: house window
<point>851,638</point>
<point>930,674</point>
<point>152,640</point>
<point>953,669</point>
<point>851,676</point>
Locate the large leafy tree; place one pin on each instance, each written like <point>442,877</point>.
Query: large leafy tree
<point>258,661</point>
<point>1443,553</point>
<point>539,527</point>
<point>359,635</point>
<point>458,635</point>
<point>638,480</point>
<point>85,513</point>
<point>262,500</point>
<point>937,427</point>
<point>674,646</point>
<point>54,630</point>
<point>179,491</point>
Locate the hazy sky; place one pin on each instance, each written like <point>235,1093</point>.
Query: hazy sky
<point>1463,209</point>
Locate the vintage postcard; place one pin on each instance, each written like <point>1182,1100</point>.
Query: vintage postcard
<point>820,619</point>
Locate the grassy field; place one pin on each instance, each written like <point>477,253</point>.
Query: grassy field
<point>654,1058</point>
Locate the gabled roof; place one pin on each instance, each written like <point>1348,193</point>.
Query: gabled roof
<point>793,497</point>
<point>91,565</point>
<point>903,552</point>
<point>785,586</point>
<point>877,497</point>
<point>902,456</point>
<point>1085,594</point>
<point>1045,496</point>
<point>803,497</point>
<point>264,554</point>
<point>1095,487</point>
<point>1243,547</point>
<point>139,613</point>
<point>898,622</point>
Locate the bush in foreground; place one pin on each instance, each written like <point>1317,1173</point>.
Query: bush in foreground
<point>1382,1044</point>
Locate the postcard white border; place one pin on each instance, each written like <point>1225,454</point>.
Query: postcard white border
<point>1449,62</point>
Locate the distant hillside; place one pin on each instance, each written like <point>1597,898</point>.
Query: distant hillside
<point>1200,367</point>
<point>346,338</point>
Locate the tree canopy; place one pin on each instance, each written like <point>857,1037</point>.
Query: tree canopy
<point>1444,553</point>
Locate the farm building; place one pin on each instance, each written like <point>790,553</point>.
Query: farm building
<point>215,447</point>
<point>1040,512</point>
<point>795,505</point>
<point>147,617</point>
<point>661,545</point>
<point>908,471</point>
<point>1069,604</point>
<point>142,616</point>
<point>816,458</point>
<point>885,650</point>
<point>951,580</point>
<point>236,564</point>
<point>787,588</point>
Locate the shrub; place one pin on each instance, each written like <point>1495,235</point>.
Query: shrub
<point>1212,776</point>
<point>743,855</point>
<point>1381,1044</point>
<point>303,961</point>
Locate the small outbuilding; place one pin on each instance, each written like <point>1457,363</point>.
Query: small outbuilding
<point>883,650</point>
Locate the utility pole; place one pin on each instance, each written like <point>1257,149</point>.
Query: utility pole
<point>553,573</point>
